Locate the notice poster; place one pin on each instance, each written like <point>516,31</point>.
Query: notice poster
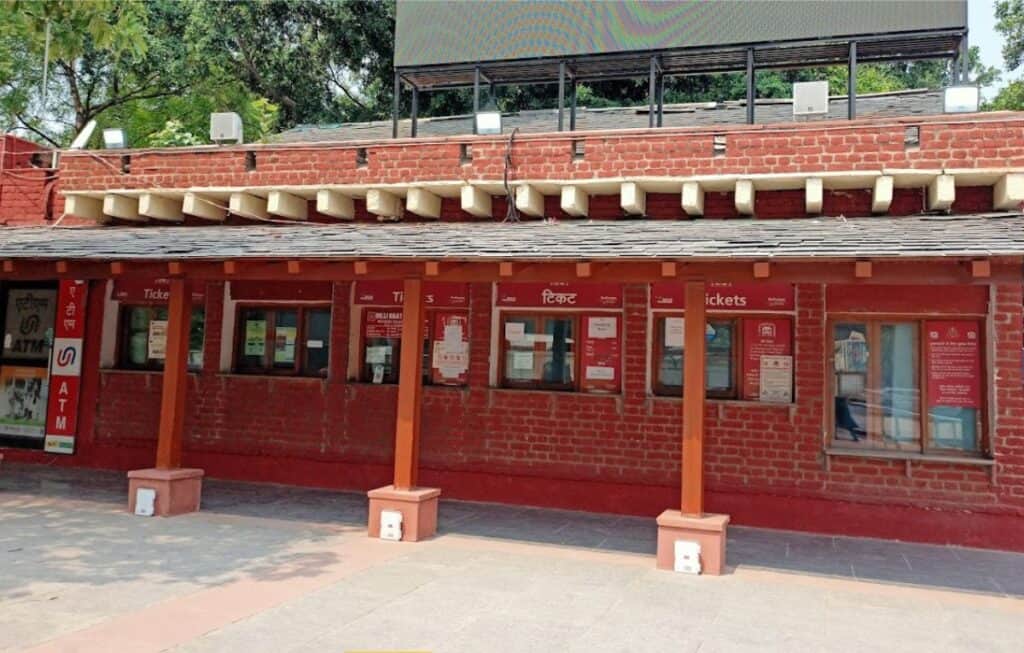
<point>776,379</point>
<point>383,324</point>
<point>284,344</point>
<point>255,337</point>
<point>762,338</point>
<point>28,325</point>
<point>601,353</point>
<point>674,335</point>
<point>66,368</point>
<point>450,360</point>
<point>157,347</point>
<point>954,363</point>
<point>23,394</point>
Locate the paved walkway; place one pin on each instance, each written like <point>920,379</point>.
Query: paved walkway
<point>277,569</point>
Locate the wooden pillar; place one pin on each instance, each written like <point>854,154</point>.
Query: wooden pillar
<point>410,387</point>
<point>172,403</point>
<point>693,401</point>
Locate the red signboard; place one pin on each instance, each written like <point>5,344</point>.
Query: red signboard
<point>560,294</point>
<point>151,291</point>
<point>450,351</point>
<point>383,324</point>
<point>601,360</point>
<point>728,296</point>
<point>954,363</point>
<point>267,291</point>
<point>762,337</point>
<point>66,368</point>
<point>442,294</point>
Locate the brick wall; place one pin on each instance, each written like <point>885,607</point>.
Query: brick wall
<point>614,453</point>
<point>26,186</point>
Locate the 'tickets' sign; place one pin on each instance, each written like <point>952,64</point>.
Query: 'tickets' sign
<point>565,294</point>
<point>66,368</point>
<point>766,339</point>
<point>954,363</point>
<point>727,296</point>
<point>441,294</point>
<point>601,360</point>
<point>150,291</point>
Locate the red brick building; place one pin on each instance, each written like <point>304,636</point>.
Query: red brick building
<point>247,312</point>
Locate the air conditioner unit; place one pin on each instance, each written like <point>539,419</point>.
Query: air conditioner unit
<point>225,128</point>
<point>810,99</point>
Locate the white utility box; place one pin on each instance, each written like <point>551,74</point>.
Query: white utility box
<point>687,557</point>
<point>391,525</point>
<point>225,128</point>
<point>810,98</point>
<point>145,498</point>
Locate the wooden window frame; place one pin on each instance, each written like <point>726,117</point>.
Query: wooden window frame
<point>658,350</point>
<point>429,315</point>
<point>874,323</point>
<point>120,343</point>
<point>503,348</point>
<point>301,335</point>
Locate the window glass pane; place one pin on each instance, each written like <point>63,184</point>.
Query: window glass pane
<point>558,354</point>
<point>520,334</point>
<point>954,428</point>
<point>318,338</point>
<point>899,395</point>
<point>381,360</point>
<point>196,334</point>
<point>135,339</point>
<point>718,375</point>
<point>28,328</point>
<point>286,331</point>
<point>254,334</point>
<point>670,366</point>
<point>851,354</point>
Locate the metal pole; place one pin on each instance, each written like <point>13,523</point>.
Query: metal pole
<point>414,110</point>
<point>561,95</point>
<point>394,106</point>
<point>476,95</point>
<point>751,86</point>
<point>851,83</point>
<point>965,61</point>
<point>651,91</point>
<point>572,105</point>
<point>661,98</point>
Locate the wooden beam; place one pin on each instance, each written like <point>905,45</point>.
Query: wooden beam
<point>529,201</point>
<point>410,385</point>
<point>693,199</point>
<point>116,268</point>
<point>694,325</point>
<point>475,201</point>
<point>941,193</point>
<point>423,203</point>
<point>361,267</point>
<point>575,201</point>
<point>633,199</point>
<point>248,206</point>
<point>669,269</point>
<point>814,195</point>
<point>287,205</point>
<point>294,267</point>
<point>8,266</point>
<point>230,267</point>
<point>863,269</point>
<point>583,270</point>
<point>762,269</point>
<point>89,208</point>
<point>881,194</point>
<point>1008,193</point>
<point>981,269</point>
<point>122,207</point>
<point>335,205</point>
<point>744,197</point>
<point>505,269</point>
<point>168,209</point>
<point>61,267</point>
<point>172,399</point>
<point>431,268</point>
<point>206,208</point>
<point>175,268</point>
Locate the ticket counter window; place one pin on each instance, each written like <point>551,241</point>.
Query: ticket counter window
<point>540,352</point>
<point>144,337</point>
<point>720,372</point>
<point>284,341</point>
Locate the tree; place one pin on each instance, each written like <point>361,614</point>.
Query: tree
<point>1010,23</point>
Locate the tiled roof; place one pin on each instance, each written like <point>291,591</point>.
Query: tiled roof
<point>699,114</point>
<point>923,236</point>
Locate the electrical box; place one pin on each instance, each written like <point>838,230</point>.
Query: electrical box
<point>810,99</point>
<point>687,556</point>
<point>391,525</point>
<point>145,499</point>
<point>225,128</point>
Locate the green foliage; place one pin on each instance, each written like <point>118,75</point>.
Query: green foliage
<point>173,134</point>
<point>1009,98</point>
<point>1010,23</point>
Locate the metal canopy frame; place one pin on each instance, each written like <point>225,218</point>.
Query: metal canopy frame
<point>659,64</point>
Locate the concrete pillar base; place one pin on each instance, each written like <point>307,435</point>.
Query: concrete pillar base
<point>707,530</point>
<point>417,505</point>
<point>177,490</point>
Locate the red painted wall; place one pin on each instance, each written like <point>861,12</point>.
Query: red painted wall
<point>26,183</point>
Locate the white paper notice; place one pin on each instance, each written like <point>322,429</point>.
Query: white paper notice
<point>451,359</point>
<point>158,339</point>
<point>314,344</point>
<point>453,333</point>
<point>776,379</point>
<point>673,332</point>
<point>514,331</point>
<point>522,360</point>
<point>602,327</point>
<point>600,373</point>
<point>378,373</point>
<point>377,355</point>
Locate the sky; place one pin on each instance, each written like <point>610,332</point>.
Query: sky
<point>981,24</point>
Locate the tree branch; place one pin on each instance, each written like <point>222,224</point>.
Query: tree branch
<point>35,131</point>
